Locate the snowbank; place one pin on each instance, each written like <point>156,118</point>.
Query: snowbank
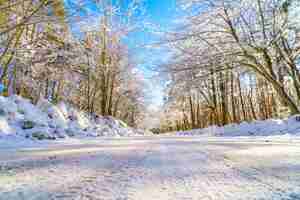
<point>21,119</point>
<point>271,127</point>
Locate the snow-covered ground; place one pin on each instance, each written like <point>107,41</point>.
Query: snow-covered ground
<point>258,160</point>
<point>154,168</point>
<point>21,119</point>
<point>273,128</point>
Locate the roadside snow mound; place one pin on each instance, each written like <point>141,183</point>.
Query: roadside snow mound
<point>271,127</point>
<point>20,118</point>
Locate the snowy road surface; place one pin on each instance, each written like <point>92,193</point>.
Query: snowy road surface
<point>156,168</point>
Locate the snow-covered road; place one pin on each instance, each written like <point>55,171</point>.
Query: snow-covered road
<point>156,168</point>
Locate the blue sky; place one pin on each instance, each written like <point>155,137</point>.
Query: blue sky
<point>159,13</point>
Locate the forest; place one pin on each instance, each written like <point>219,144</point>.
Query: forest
<point>233,61</point>
<point>50,50</point>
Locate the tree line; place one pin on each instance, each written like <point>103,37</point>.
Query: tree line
<point>233,61</point>
<point>49,50</point>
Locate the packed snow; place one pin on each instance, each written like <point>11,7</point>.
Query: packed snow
<point>273,127</point>
<point>153,168</point>
<point>19,118</point>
